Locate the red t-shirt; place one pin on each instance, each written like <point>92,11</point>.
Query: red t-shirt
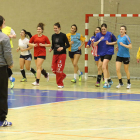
<point>39,50</point>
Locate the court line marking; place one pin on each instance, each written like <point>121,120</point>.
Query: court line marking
<point>46,104</point>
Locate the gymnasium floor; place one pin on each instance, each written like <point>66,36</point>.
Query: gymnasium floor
<point>79,111</point>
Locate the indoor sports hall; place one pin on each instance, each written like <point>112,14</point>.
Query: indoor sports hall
<point>80,110</point>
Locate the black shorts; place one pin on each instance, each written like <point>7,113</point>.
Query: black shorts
<point>43,57</point>
<point>125,60</point>
<point>71,54</point>
<point>109,57</point>
<point>26,57</point>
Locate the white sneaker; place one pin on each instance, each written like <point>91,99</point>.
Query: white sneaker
<point>60,86</point>
<point>35,83</point>
<point>47,77</point>
<point>128,86</point>
<point>119,85</point>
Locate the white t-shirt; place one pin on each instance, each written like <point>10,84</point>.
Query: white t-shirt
<point>12,32</point>
<point>23,44</point>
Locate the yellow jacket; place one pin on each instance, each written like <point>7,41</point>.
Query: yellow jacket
<point>138,54</point>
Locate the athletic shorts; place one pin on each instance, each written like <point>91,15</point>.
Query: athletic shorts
<point>71,54</point>
<point>125,60</point>
<point>109,57</point>
<point>26,57</point>
<point>43,57</point>
<point>96,58</point>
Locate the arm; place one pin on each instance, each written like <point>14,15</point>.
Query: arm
<point>12,34</point>
<point>97,42</point>
<point>66,44</point>
<point>29,48</point>
<point>7,52</point>
<point>18,49</point>
<point>111,43</point>
<point>113,40</point>
<point>88,44</point>
<point>126,46</point>
<point>83,42</point>
<point>44,45</point>
<point>116,48</point>
<point>48,44</point>
<point>52,47</point>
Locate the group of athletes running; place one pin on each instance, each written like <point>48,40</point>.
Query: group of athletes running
<point>102,44</point>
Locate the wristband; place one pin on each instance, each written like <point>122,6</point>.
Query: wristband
<point>99,40</point>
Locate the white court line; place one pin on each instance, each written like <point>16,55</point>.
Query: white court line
<point>46,103</point>
<point>99,129</point>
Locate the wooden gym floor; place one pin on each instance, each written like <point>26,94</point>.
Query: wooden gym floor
<point>79,111</point>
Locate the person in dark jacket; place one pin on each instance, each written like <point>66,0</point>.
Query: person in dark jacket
<point>6,61</point>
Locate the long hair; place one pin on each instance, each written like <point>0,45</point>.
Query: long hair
<point>27,33</point>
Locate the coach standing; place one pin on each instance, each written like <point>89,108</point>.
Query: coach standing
<point>5,61</point>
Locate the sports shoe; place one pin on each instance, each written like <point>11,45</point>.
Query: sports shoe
<point>119,85</point>
<point>60,86</point>
<point>110,83</point>
<point>35,83</point>
<point>97,84</point>
<point>103,82</point>
<point>128,86</point>
<point>24,80</point>
<point>106,85</point>
<point>5,123</point>
<point>12,82</point>
<point>47,77</point>
<point>73,80</point>
<point>80,77</point>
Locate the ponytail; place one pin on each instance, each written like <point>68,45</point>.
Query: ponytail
<point>27,33</point>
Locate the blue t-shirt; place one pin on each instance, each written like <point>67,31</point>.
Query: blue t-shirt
<point>104,49</point>
<point>123,51</point>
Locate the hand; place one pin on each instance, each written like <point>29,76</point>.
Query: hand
<point>102,38</point>
<point>10,66</point>
<point>71,42</point>
<point>35,45</point>
<point>50,50</point>
<point>121,44</point>
<point>137,60</point>
<point>107,43</point>
<point>17,49</point>
<point>10,36</point>
<point>60,49</point>
<point>40,44</point>
<point>87,46</point>
<point>79,48</point>
<point>116,48</point>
